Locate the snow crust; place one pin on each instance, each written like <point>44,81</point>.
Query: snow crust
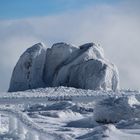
<point>64,65</point>
<point>88,115</point>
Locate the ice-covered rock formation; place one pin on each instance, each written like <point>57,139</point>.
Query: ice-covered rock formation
<point>54,58</point>
<point>64,65</point>
<point>28,72</point>
<point>88,69</point>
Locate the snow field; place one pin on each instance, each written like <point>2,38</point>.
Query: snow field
<point>69,113</point>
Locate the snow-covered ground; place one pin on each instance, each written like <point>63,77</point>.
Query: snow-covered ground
<point>69,113</point>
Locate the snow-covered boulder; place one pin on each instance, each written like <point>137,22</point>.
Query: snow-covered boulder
<point>28,72</point>
<point>88,69</point>
<point>92,74</point>
<point>55,56</point>
<point>84,53</point>
<point>64,65</point>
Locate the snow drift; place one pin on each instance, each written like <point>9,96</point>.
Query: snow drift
<point>64,65</point>
<point>113,109</point>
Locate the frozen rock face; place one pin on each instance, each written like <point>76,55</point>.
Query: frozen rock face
<point>88,69</point>
<point>28,72</point>
<point>65,65</point>
<point>84,53</point>
<point>92,74</point>
<point>54,57</point>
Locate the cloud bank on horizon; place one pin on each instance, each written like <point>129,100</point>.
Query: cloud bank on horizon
<point>113,25</point>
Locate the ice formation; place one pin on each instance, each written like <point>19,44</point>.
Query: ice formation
<point>28,71</point>
<point>64,65</point>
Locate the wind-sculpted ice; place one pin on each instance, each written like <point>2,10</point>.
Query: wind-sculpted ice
<point>64,65</point>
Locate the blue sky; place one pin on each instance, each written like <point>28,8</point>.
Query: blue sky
<point>13,9</point>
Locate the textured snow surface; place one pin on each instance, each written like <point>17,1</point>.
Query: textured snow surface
<point>64,65</point>
<point>69,113</point>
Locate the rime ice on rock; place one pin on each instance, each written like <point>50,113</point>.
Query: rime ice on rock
<point>64,65</point>
<point>28,72</point>
<point>88,69</point>
<point>55,57</point>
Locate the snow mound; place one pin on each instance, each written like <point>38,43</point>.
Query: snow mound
<point>87,122</point>
<point>108,132</point>
<point>64,65</point>
<point>54,106</point>
<point>114,109</point>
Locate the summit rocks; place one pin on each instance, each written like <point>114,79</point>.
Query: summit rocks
<point>64,65</point>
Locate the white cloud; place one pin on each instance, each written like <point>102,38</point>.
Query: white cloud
<point>115,27</point>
